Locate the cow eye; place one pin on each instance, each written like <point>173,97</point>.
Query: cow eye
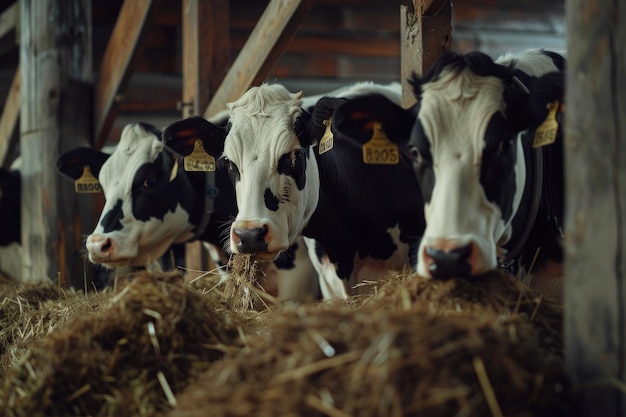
<point>504,146</point>
<point>150,181</point>
<point>233,171</point>
<point>296,154</point>
<point>414,152</point>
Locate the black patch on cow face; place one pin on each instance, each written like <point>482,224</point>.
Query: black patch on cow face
<point>293,164</point>
<point>113,219</point>
<point>153,194</point>
<point>497,170</point>
<point>422,158</point>
<point>271,201</point>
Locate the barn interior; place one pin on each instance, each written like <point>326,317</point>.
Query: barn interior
<point>177,366</point>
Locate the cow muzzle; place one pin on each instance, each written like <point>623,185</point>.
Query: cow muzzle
<point>251,240</point>
<point>101,249</point>
<point>448,263</point>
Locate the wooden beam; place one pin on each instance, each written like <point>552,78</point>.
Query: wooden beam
<point>8,20</point>
<point>595,243</point>
<point>206,57</point>
<point>8,120</point>
<point>266,43</point>
<point>116,67</point>
<point>423,39</point>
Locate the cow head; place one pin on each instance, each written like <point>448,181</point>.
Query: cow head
<point>10,206</point>
<point>470,157</point>
<point>268,157</point>
<point>149,202</point>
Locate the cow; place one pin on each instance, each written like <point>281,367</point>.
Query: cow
<point>10,224</point>
<point>294,175</point>
<point>153,202</point>
<point>493,188</point>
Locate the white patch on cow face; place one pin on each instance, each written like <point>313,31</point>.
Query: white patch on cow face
<point>455,111</point>
<point>262,133</point>
<point>133,242</point>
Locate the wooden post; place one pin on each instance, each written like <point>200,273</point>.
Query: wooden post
<point>595,149</point>
<point>425,34</point>
<point>55,70</point>
<point>206,57</point>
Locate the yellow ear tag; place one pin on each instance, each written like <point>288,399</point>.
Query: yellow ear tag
<point>545,134</point>
<point>174,170</point>
<point>379,149</point>
<point>326,142</point>
<point>87,183</point>
<point>199,159</point>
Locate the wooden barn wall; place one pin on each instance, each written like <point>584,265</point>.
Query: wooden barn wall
<point>340,41</point>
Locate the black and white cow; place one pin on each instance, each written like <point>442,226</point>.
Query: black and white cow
<point>152,202</point>
<point>491,198</point>
<point>291,179</point>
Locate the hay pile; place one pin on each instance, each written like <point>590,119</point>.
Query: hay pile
<point>415,348</point>
<point>29,312</point>
<point>131,359</point>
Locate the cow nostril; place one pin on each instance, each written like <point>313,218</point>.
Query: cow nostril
<point>106,246</point>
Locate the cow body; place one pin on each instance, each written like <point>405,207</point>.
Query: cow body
<point>152,203</point>
<point>361,216</point>
<point>484,185</point>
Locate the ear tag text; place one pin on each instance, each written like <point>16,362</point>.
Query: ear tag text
<point>199,159</point>
<point>326,142</point>
<point>87,183</point>
<point>379,150</point>
<point>545,134</point>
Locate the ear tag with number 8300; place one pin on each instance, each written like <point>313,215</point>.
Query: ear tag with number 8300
<point>87,183</point>
<point>326,142</point>
<point>199,159</point>
<point>379,149</point>
<point>545,134</point>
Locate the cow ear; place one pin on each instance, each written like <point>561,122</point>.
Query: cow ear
<point>181,136</point>
<point>321,116</point>
<point>547,89</point>
<point>72,163</point>
<point>357,116</point>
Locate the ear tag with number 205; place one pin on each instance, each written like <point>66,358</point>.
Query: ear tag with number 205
<point>379,150</point>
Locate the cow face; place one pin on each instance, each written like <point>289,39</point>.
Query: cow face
<point>470,158</point>
<point>148,204</point>
<point>270,163</point>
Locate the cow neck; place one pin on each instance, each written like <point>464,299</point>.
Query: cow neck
<point>528,210</point>
<point>210,194</point>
